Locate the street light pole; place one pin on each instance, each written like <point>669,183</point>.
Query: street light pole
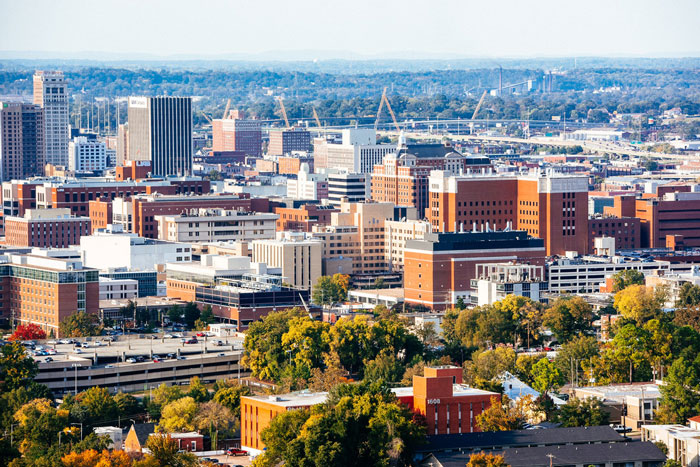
<point>75,367</point>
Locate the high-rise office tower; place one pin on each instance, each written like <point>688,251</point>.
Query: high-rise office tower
<point>21,140</point>
<point>51,93</point>
<point>160,131</point>
<point>234,134</point>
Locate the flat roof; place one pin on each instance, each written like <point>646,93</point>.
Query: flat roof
<point>293,399</point>
<point>458,390</point>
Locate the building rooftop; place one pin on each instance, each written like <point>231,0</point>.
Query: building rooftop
<point>565,455</point>
<point>458,390</point>
<point>294,399</point>
<point>448,241</point>
<point>619,392</point>
<point>516,438</point>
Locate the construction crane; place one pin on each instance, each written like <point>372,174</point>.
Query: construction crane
<point>382,102</point>
<point>284,111</point>
<point>228,106</point>
<point>478,106</point>
<point>318,122</point>
<point>207,117</point>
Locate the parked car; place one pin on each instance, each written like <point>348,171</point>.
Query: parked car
<point>170,356</point>
<point>131,360</point>
<point>219,343</point>
<point>236,452</point>
<point>200,334</point>
<point>191,341</point>
<point>51,352</point>
<point>168,336</point>
<point>109,366</point>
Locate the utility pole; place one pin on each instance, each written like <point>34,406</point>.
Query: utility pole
<point>551,458</point>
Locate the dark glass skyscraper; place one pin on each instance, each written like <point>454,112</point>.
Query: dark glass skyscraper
<point>160,131</point>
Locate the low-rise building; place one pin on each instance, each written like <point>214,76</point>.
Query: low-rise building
<point>213,225</point>
<point>495,281</point>
<point>682,442</point>
<point>634,403</point>
<point>439,268</point>
<point>586,274</point>
<point>298,255</point>
<point>114,248</point>
<point>118,288</point>
<point>447,405</point>
<point>46,228</point>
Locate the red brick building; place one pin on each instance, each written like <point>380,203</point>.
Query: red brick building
<point>133,170</point>
<point>18,196</point>
<point>100,213</point>
<point>75,195</point>
<point>439,268</point>
<point>303,218</point>
<point>448,406</point>
<point>626,231</point>
<point>551,207</point>
<point>674,210</point>
<point>46,228</point>
<point>44,290</point>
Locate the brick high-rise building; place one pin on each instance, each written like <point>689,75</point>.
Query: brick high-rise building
<point>51,94</point>
<point>233,134</point>
<point>439,268</point>
<point>552,207</point>
<point>43,290</point>
<point>402,178</point>
<point>22,152</point>
<point>160,131</point>
<point>46,228</point>
<point>286,140</point>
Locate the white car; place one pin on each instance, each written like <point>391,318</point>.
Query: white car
<point>130,360</point>
<point>168,336</point>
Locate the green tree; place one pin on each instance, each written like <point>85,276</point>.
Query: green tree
<point>207,315</point>
<point>583,349</point>
<point>264,354</point>
<point>688,295</point>
<point>93,405</point>
<point>385,367</point>
<point>197,390</point>
<point>583,412</point>
<point>625,278</point>
<point>362,422</point>
<point>487,365</point>
<point>175,314</point>
<point>687,316</point>
<point>165,452</point>
<point>127,404</point>
<point>190,314</point>
<point>16,367</point>
<point>178,416</point>
<point>80,324</point>
<point>230,397</point>
<point>331,289</point>
<point>568,317</point>
<point>306,342</point>
<point>545,376</point>
<point>680,393</point>
<point>500,416</point>
<point>213,417</point>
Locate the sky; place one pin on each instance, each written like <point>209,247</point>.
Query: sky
<point>296,29</point>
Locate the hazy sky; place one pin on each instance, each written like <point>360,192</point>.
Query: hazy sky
<point>510,28</point>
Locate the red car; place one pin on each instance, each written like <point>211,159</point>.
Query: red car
<point>200,334</point>
<point>236,452</point>
<point>191,341</point>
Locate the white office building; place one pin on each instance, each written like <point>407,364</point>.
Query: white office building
<point>113,248</point>
<point>87,155</point>
<point>214,225</point>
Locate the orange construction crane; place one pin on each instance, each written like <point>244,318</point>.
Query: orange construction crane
<point>382,102</point>
<point>284,111</point>
<point>478,106</point>
<point>318,122</point>
<point>228,106</point>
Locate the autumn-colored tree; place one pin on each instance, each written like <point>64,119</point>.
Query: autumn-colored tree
<point>625,278</point>
<point>178,416</point>
<point>27,332</point>
<point>482,459</point>
<point>499,416</point>
<point>93,458</point>
<point>639,303</point>
<point>16,367</point>
<point>165,453</point>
